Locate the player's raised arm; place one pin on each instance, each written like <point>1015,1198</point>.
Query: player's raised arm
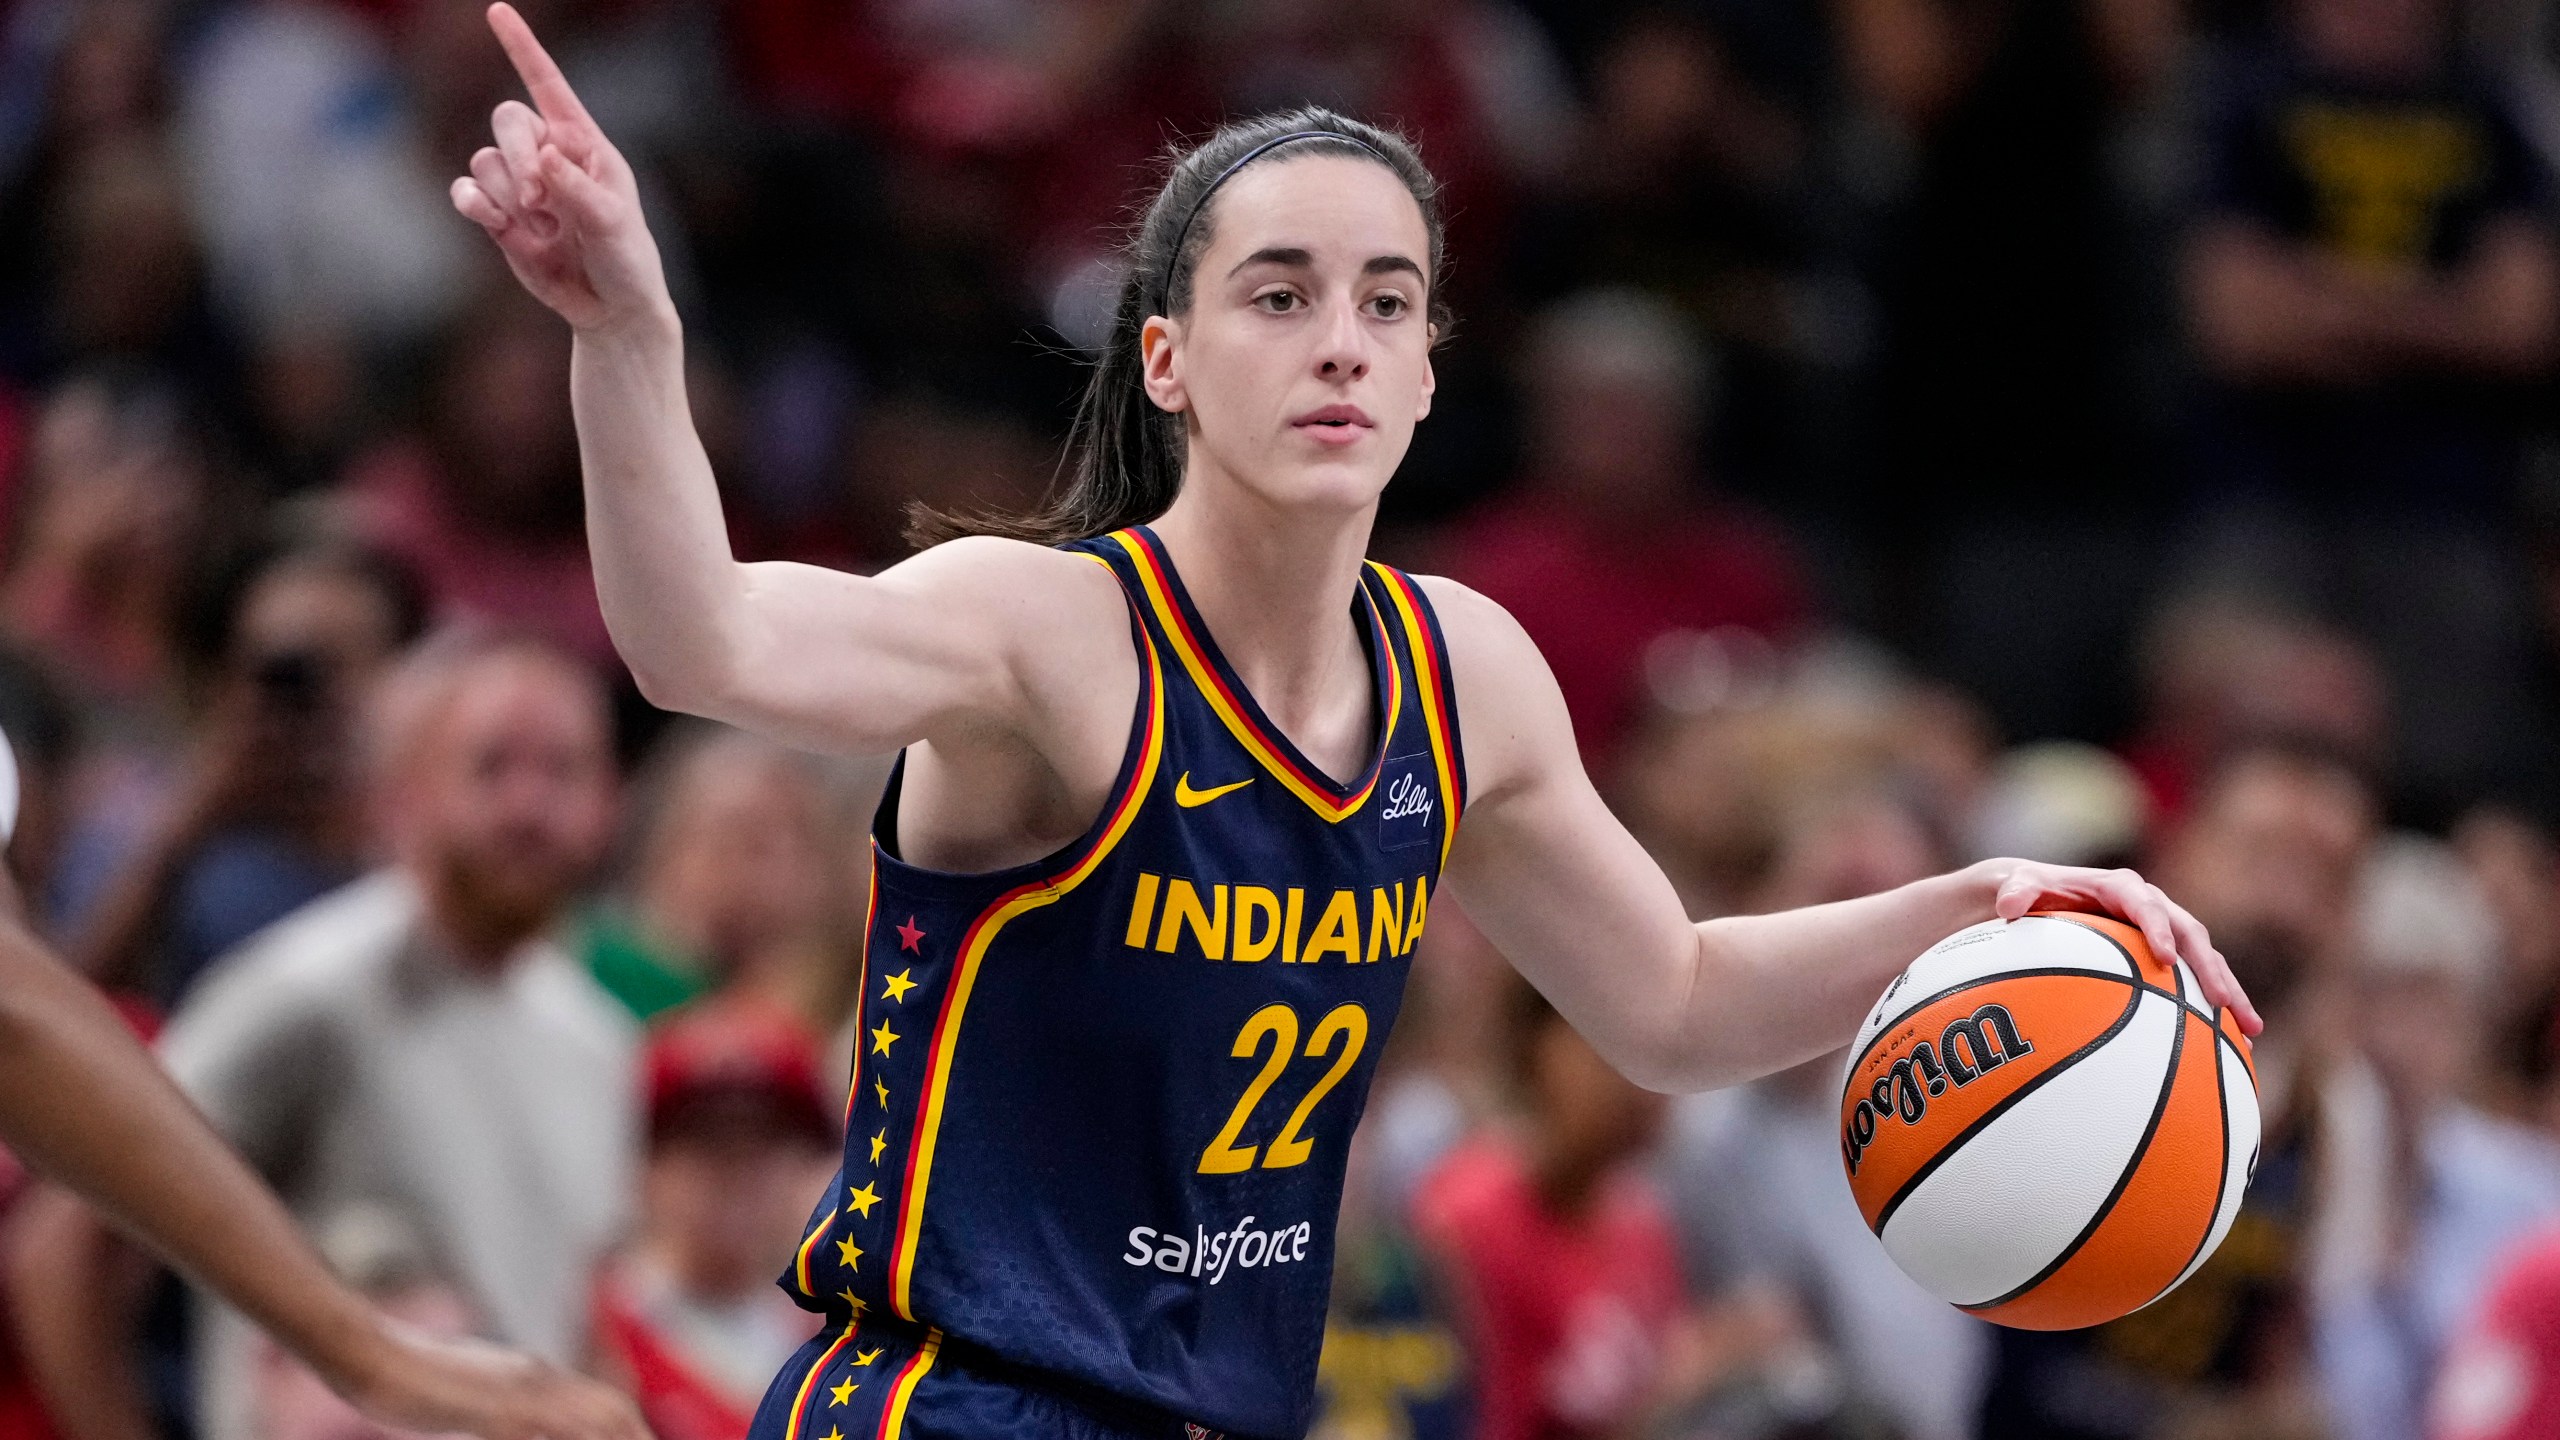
<point>811,655</point>
<point>1561,888</point>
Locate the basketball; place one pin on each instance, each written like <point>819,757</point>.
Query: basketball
<point>2046,1125</point>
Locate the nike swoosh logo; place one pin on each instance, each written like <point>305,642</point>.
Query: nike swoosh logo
<point>1186,797</point>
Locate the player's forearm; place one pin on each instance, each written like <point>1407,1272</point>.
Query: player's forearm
<point>1773,990</point>
<point>673,594</point>
<point>82,1101</point>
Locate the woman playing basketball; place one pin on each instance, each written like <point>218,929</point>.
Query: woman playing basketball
<point>1168,820</point>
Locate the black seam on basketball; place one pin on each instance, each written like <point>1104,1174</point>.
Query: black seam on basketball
<point>2132,967</point>
<point>2222,1174</point>
<point>2130,963</point>
<point>2124,1177</point>
<point>2032,1084</point>
<point>2234,1047</point>
<point>2177,972</point>
<point>1996,977</point>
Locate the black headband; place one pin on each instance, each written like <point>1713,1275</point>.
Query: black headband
<point>1173,259</point>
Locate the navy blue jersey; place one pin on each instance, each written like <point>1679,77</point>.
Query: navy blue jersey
<point>1101,1104</point>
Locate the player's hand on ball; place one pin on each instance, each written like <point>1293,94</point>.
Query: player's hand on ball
<point>559,199</point>
<point>2023,885</point>
<point>469,1387</point>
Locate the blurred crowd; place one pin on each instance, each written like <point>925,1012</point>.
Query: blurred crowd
<point>2106,431</point>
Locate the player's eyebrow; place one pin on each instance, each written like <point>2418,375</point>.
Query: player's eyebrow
<point>1290,255</point>
<point>1297,258</point>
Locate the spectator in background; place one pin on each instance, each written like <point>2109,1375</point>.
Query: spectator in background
<point>113,496</point>
<point>740,1133</point>
<point>2372,283</point>
<point>485,502</point>
<point>1698,182</point>
<point>2501,1379</point>
<point>1559,1250</point>
<point>115,504</point>
<point>293,635</point>
<point>740,866</point>
<point>100,266</point>
<point>381,1258</point>
<point>2221,672</point>
<point>2420,1192</point>
<point>309,141</point>
<point>2517,867</point>
<point>1611,542</point>
<point>417,1039</point>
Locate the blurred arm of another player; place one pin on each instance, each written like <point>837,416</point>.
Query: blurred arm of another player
<point>932,649</point>
<point>1574,902</point>
<point>82,1102</point>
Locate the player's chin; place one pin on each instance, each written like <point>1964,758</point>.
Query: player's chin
<point>1345,477</point>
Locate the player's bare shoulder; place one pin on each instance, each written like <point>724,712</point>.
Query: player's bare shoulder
<point>1047,628</point>
<point>1038,604</point>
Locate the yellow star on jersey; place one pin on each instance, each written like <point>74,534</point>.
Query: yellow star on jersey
<point>879,1143</point>
<point>883,1038</point>
<point>834,1434</point>
<point>898,986</point>
<point>863,1199</point>
<point>883,1087</point>
<point>866,1357</point>
<point>844,1392</point>
<point>847,1296</point>
<point>852,1254</point>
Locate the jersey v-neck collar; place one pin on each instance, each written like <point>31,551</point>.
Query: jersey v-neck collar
<point>1243,715</point>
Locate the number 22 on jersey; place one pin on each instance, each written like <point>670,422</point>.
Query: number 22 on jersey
<point>1344,1026</point>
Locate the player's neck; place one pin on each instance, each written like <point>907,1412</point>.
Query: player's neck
<point>1274,586</point>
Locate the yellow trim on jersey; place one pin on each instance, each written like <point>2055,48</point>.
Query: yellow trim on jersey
<point>973,950</point>
<point>800,1402</point>
<point>1427,675</point>
<point>893,1421</point>
<point>1169,617</point>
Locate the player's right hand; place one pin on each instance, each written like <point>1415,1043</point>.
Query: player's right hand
<point>559,199</point>
<point>469,1387</point>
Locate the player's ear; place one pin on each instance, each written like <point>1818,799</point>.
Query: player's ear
<point>1430,381</point>
<point>1160,363</point>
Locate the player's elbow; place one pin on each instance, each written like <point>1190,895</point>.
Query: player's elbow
<point>1670,1060</point>
<point>669,687</point>
<point>1682,1070</point>
<point>703,677</point>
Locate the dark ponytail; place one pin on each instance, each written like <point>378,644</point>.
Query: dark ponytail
<point>1123,464</point>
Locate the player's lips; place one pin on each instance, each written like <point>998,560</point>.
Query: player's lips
<point>1334,424</point>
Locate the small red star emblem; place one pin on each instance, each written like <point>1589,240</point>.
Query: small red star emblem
<point>909,935</point>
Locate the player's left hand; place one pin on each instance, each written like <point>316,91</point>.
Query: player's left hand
<point>2024,885</point>
<point>470,1387</point>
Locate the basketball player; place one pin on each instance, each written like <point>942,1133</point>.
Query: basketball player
<point>1181,784</point>
<point>82,1102</point>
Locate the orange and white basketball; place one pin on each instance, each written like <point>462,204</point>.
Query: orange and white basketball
<point>2046,1125</point>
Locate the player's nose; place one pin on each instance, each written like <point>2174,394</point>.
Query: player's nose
<point>1342,347</point>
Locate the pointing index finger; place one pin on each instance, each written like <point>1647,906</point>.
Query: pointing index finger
<point>534,66</point>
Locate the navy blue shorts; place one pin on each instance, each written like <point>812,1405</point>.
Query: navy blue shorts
<point>871,1381</point>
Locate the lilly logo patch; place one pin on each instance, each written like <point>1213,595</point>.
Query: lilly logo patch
<point>1406,801</point>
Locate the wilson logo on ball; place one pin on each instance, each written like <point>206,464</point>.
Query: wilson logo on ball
<point>1990,1039</point>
